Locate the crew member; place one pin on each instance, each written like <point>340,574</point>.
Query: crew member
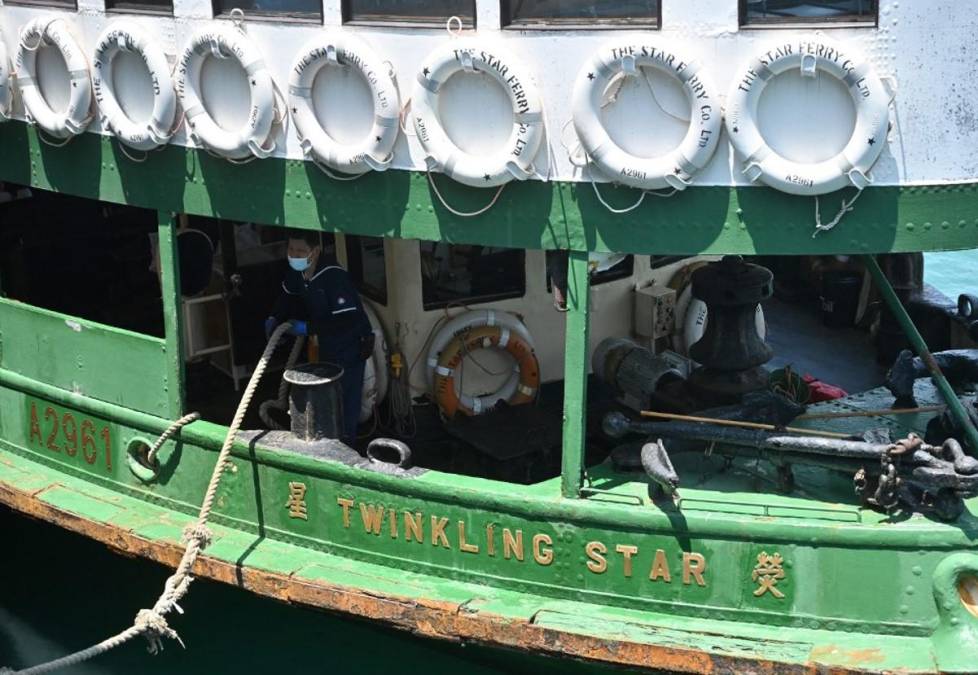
<point>319,299</point>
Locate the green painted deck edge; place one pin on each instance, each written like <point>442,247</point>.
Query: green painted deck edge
<point>795,645</point>
<point>532,214</point>
<point>529,501</point>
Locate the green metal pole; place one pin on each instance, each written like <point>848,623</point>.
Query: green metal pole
<point>575,375</point>
<point>917,341</point>
<point>172,311</point>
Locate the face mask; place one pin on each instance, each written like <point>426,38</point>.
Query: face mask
<point>299,264</point>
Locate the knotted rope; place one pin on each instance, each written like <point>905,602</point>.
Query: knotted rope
<point>151,623</point>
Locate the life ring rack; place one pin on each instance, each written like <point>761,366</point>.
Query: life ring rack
<point>514,160</point>
<point>125,36</point>
<point>76,117</point>
<point>254,137</point>
<point>485,337</point>
<point>6,91</point>
<point>849,167</point>
<point>674,169</point>
<point>375,151</point>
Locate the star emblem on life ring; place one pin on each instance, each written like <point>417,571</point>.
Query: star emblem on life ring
<point>254,84</point>
<point>678,171</point>
<point>487,177</point>
<point>378,139</point>
<point>872,141</point>
<point>590,76</point>
<point>426,71</point>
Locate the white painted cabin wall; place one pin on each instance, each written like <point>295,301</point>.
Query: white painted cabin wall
<point>926,45</point>
<point>611,313</point>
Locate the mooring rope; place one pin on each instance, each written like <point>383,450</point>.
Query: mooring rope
<point>151,623</point>
<point>281,401</point>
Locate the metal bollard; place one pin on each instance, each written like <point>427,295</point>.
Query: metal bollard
<point>316,401</point>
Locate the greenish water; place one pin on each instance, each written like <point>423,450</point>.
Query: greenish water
<point>60,592</point>
<point>952,273</point>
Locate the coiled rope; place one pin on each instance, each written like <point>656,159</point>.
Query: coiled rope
<point>151,623</point>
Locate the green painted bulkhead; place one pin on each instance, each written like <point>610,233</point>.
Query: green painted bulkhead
<point>858,590</point>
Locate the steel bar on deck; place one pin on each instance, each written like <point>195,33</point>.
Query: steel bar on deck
<point>575,375</point>
<point>172,310</point>
<point>917,341</point>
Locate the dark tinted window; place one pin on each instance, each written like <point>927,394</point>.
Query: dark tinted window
<point>300,9</point>
<point>462,274</point>
<point>579,13</point>
<point>366,265</point>
<point>409,11</point>
<point>798,11</point>
<point>138,6</point>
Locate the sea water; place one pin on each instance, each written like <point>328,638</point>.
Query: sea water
<point>952,272</point>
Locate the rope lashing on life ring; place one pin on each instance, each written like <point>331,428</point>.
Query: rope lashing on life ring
<point>849,167</point>
<point>485,337</point>
<point>76,117</point>
<point>125,36</point>
<point>375,151</point>
<point>6,91</point>
<point>674,169</point>
<point>253,139</point>
<point>515,158</point>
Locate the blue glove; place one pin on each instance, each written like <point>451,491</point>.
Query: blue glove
<point>271,323</point>
<point>299,328</point>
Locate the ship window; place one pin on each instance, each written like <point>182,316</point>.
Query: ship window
<point>366,265</point>
<point>431,13</point>
<point>66,4</point>
<point>87,259</point>
<point>465,274</point>
<point>301,10</point>
<point>780,12</point>
<point>140,6</point>
<point>563,13</point>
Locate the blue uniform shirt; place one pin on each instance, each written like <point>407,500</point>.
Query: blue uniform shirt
<point>329,303</point>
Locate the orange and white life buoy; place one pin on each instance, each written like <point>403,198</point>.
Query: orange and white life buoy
<point>485,337</point>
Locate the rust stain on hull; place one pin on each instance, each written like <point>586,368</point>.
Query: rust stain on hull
<point>424,617</point>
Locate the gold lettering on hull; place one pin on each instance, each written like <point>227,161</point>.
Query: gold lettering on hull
<point>660,569</point>
<point>465,537</point>
<point>768,571</point>
<point>296,503</point>
<point>463,545</point>
<point>595,551</point>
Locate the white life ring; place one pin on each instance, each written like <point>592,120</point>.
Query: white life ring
<point>674,169</point>
<point>376,150</point>
<point>694,317</point>
<point>515,158</point>
<point>125,36</point>
<point>375,377</point>
<point>810,56</point>
<point>228,42</point>
<point>6,93</point>
<point>54,32</point>
<point>467,321</point>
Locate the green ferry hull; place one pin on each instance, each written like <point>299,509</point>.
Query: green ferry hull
<point>853,597</point>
